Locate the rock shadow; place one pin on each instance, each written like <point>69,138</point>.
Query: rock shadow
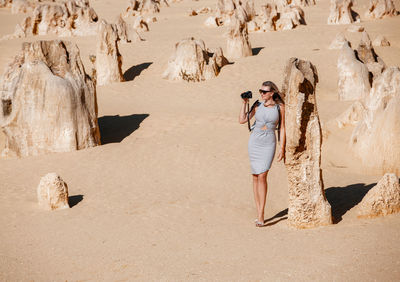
<point>74,200</point>
<point>343,199</point>
<point>114,129</point>
<point>134,71</point>
<point>257,50</point>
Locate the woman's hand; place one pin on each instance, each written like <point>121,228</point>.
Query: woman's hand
<point>245,101</point>
<point>281,155</point>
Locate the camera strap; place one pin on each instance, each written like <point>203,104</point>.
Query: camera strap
<point>256,103</point>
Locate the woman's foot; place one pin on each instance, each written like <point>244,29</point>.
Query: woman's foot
<point>259,223</point>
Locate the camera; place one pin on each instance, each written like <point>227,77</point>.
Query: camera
<point>246,95</point>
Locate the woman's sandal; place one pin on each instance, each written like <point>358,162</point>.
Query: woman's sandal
<point>259,223</point>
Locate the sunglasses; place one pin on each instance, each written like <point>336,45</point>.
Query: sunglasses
<point>264,91</point>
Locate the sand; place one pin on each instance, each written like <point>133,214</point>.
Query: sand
<point>168,195</point>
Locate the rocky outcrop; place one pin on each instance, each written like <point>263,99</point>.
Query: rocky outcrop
<point>238,44</point>
<point>308,206</point>
<point>191,61</point>
<point>367,55</point>
<point>381,40</point>
<point>22,6</point>
<point>338,42</point>
<point>5,3</point>
<point>52,192</point>
<point>226,10</point>
<point>289,18</point>
<point>70,18</point>
<point>382,199</point>
<point>108,58</point>
<point>353,82</point>
<point>48,101</point>
<point>375,138</point>
<point>341,12</point>
<point>142,7</point>
<point>303,3</point>
<point>379,9</point>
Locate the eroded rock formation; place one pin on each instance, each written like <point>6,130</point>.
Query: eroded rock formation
<point>367,55</point>
<point>226,10</point>
<point>308,206</point>
<point>382,199</point>
<point>341,12</point>
<point>108,58</point>
<point>375,138</point>
<point>353,76</point>
<point>52,192</point>
<point>49,102</point>
<point>381,40</point>
<point>238,44</point>
<point>289,18</point>
<point>142,7</point>
<point>68,18</point>
<point>5,3</point>
<point>191,61</point>
<point>379,9</point>
<point>338,42</point>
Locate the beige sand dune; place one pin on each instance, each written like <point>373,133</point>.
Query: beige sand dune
<point>168,195</point>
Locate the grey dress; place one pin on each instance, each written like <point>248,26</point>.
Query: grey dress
<point>262,142</point>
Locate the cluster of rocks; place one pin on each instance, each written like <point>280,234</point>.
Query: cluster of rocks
<point>273,16</point>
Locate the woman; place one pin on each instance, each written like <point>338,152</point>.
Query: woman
<point>262,140</point>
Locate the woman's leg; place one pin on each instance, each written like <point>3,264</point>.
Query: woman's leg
<point>255,191</point>
<point>262,194</point>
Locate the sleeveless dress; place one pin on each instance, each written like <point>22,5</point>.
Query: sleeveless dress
<point>262,142</point>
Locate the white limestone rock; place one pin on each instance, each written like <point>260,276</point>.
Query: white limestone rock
<point>382,199</point>
<point>52,192</point>
<point>379,9</point>
<point>381,40</point>
<point>338,42</point>
<point>341,12</point>
<point>353,82</point>
<point>238,44</point>
<point>375,138</point>
<point>49,102</point>
<point>191,61</point>
<point>308,206</point>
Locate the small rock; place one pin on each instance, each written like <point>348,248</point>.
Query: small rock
<point>381,41</point>
<point>382,199</point>
<point>52,192</point>
<point>355,28</point>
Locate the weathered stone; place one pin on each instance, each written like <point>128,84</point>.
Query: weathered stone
<point>341,12</point>
<point>381,40</point>
<point>352,115</point>
<point>49,102</point>
<point>238,44</point>
<point>379,9</point>
<point>5,3</point>
<point>308,206</point>
<point>226,10</point>
<point>290,17</point>
<point>108,58</point>
<point>303,3</point>
<point>52,192</point>
<point>338,42</point>
<point>140,24</point>
<point>353,82</point>
<point>125,32</point>
<point>367,55</point>
<point>382,199</point>
<point>191,61</point>
<point>211,21</point>
<point>269,16</point>
<point>68,18</point>
<point>22,6</point>
<point>375,138</point>
<point>142,7</point>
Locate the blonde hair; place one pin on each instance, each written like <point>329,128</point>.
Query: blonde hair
<point>277,97</point>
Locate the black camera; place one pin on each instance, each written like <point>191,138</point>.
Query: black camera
<point>246,95</point>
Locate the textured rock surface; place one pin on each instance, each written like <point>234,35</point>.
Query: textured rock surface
<point>68,18</point>
<point>353,81</point>
<point>367,55</point>
<point>308,206</point>
<point>22,6</point>
<point>108,58</point>
<point>289,18</point>
<point>382,199</point>
<point>142,7</point>
<point>341,12</point>
<point>5,3</point>
<point>52,192</point>
<point>338,42</point>
<point>226,10</point>
<point>379,9</point>
<point>191,61</point>
<point>49,102</point>
<point>375,138</point>
<point>238,44</point>
<point>381,40</point>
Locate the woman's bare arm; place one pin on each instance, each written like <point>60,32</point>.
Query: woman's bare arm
<point>282,133</point>
<point>243,112</point>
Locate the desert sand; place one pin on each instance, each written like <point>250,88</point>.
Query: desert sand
<point>168,196</point>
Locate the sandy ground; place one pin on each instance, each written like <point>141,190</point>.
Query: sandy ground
<point>168,196</point>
